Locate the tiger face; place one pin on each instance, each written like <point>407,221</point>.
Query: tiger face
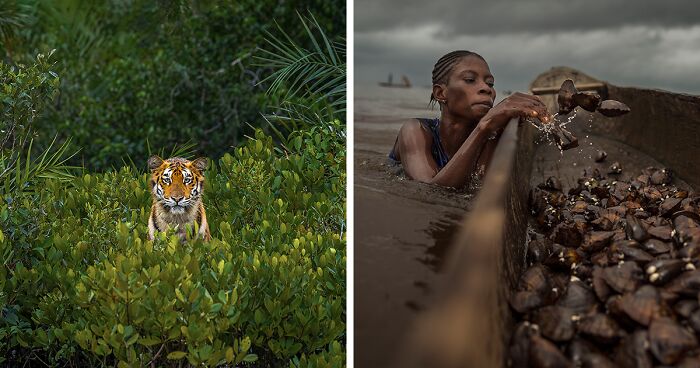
<point>177,183</point>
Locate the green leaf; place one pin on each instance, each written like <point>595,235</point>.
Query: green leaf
<point>132,339</point>
<point>222,296</point>
<point>179,295</point>
<point>215,308</point>
<point>245,344</point>
<point>149,341</point>
<point>175,355</point>
<point>194,294</point>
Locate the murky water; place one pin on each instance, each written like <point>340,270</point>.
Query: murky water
<point>402,228</point>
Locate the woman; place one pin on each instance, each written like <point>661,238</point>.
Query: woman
<point>447,150</point>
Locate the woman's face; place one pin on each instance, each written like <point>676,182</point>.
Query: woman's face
<point>469,90</point>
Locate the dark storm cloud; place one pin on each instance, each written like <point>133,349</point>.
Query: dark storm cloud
<point>654,45</point>
<point>507,16</point>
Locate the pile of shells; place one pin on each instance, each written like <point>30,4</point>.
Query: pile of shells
<point>613,277</point>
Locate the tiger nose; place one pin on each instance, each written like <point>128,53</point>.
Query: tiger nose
<point>177,199</point>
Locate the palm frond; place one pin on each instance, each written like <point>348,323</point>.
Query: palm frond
<point>21,172</point>
<point>317,72</point>
<point>13,16</point>
<point>185,150</point>
<point>294,117</point>
<point>78,27</point>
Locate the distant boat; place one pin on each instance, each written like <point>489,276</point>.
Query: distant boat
<point>405,83</point>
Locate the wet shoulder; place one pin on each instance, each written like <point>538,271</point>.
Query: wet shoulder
<point>413,136</point>
<point>416,127</point>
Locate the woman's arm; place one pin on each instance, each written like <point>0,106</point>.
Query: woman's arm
<point>413,149</point>
<point>414,146</point>
<point>415,142</point>
<point>482,164</point>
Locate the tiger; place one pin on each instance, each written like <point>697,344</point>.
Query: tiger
<point>176,188</point>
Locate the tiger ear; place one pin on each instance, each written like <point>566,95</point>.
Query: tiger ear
<point>154,162</point>
<point>200,163</point>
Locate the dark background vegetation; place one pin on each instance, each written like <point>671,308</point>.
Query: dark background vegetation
<point>138,76</point>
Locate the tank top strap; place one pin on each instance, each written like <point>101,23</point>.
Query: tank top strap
<point>439,154</point>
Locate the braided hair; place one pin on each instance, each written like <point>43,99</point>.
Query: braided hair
<point>444,65</point>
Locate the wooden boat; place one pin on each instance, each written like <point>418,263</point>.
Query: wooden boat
<point>405,82</point>
<point>470,324</point>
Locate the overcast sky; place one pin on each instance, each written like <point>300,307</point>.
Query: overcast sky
<point>644,43</point>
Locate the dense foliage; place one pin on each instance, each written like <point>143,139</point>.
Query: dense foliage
<point>24,91</point>
<point>82,283</point>
<point>141,75</point>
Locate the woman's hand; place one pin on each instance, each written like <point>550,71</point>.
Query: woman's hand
<point>515,105</point>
